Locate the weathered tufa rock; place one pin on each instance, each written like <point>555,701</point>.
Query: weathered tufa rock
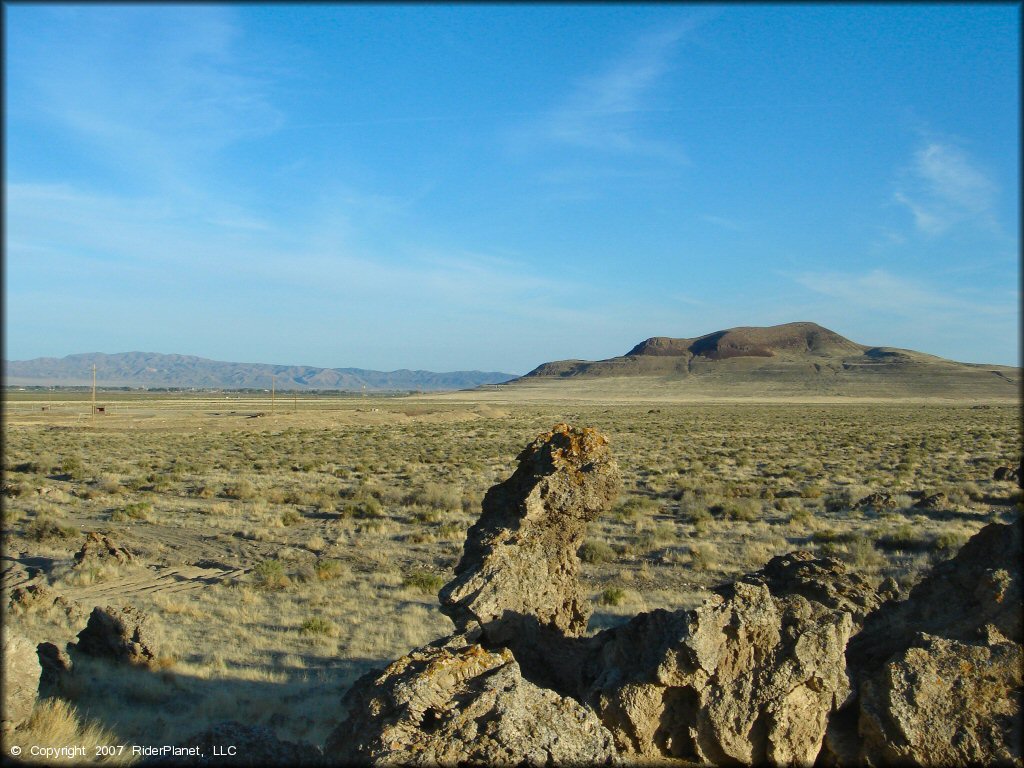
<point>945,703</point>
<point>751,676</point>
<point>56,669</point>
<point>37,596</point>
<point>120,634</point>
<point>1008,474</point>
<point>939,674</point>
<point>519,562</point>
<point>981,585</point>
<point>99,549</point>
<point>459,704</point>
<point>20,680</point>
<point>933,501</point>
<point>877,500</point>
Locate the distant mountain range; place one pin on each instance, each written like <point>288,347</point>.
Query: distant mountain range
<point>794,358</point>
<point>151,370</point>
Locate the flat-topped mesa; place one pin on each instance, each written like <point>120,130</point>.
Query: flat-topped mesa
<point>519,567</point>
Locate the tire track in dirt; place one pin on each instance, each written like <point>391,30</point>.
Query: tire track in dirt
<point>157,580</point>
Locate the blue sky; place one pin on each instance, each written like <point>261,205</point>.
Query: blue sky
<point>492,187</point>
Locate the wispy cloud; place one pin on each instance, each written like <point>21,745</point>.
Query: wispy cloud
<point>890,309</point>
<point>603,111</point>
<point>943,187</point>
<point>191,91</point>
<point>880,290</point>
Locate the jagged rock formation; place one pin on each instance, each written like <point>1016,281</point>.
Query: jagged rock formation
<point>99,549</point>
<point>519,567</point>
<point>751,676</point>
<point>458,704</point>
<point>20,679</point>
<point>119,634</point>
<point>798,663</point>
<point>945,703</point>
<point>939,674</point>
<point>57,669</point>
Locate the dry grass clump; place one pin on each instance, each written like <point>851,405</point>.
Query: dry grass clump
<point>56,726</point>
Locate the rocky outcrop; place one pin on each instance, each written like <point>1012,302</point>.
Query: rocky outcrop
<point>938,675</point>
<point>56,668</point>
<point>519,568</point>
<point>945,703</point>
<point>751,676</point>
<point>20,679</point>
<point>799,663</point>
<point>118,634</point>
<point>459,704</point>
<point>1009,474</point>
<point>100,550</point>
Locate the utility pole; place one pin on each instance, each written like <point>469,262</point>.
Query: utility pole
<point>94,390</point>
<point>273,379</point>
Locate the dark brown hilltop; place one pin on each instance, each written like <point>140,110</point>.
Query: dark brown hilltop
<point>791,359</point>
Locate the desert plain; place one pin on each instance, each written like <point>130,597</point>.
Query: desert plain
<point>281,548</point>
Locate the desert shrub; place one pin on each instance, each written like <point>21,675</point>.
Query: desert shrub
<point>328,569</point>
<point>271,575</point>
<point>291,517</point>
<point>596,551</point>
<point>54,723</point>
<point>831,535</point>
<point>812,491</point>
<point>634,505</point>
<point>429,515</point>
<point>949,542</point>
<point>363,508</point>
<point>109,484</point>
<point>904,538</point>
<point>317,625</point>
<point>745,509</point>
<point>703,557</point>
<point>423,581</point>
<point>44,527</point>
<point>860,553</point>
<point>613,596</point>
<point>241,490</point>
<point>137,510</point>
<point>437,497</point>
<point>42,464</point>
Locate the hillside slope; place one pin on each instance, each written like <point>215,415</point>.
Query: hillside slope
<point>794,358</point>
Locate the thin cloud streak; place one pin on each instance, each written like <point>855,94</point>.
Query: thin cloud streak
<point>943,188</point>
<point>599,114</point>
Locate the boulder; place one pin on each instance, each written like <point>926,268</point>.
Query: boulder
<point>457,704</point>
<point>56,669</point>
<point>938,675</point>
<point>877,500</point>
<point>119,634</point>
<point>37,596</point>
<point>751,676</point>
<point>519,567</point>
<point>945,703</point>
<point>933,501</point>
<point>1008,474</point>
<point>20,679</point>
